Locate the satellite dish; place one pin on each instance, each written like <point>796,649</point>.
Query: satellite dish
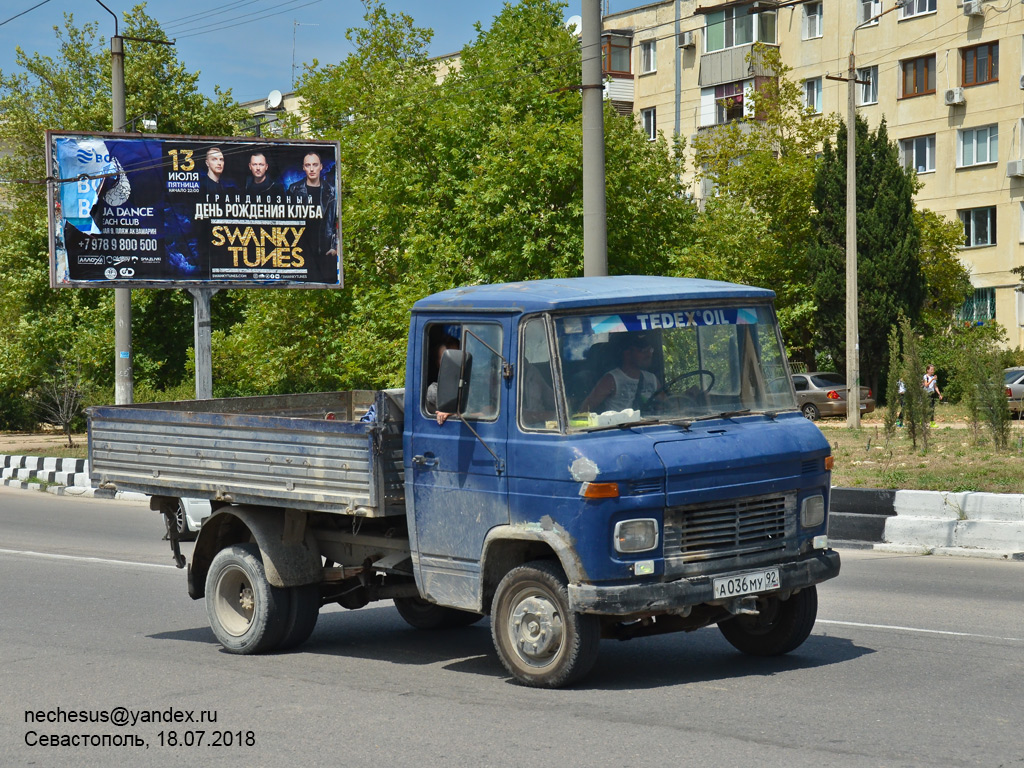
<point>274,99</point>
<point>574,24</point>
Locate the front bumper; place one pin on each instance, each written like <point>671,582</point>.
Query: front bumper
<point>658,597</point>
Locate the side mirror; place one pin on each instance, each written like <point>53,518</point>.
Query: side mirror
<point>453,380</point>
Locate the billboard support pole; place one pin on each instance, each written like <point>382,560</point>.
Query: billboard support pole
<point>123,375</point>
<point>203,344</point>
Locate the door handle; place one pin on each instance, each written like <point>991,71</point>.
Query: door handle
<point>428,460</point>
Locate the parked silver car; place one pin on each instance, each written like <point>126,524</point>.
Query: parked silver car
<point>824,394</point>
<point>189,516</point>
<point>1015,389</point>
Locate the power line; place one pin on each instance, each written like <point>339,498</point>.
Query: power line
<point>15,16</point>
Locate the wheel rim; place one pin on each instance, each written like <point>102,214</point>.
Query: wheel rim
<point>535,628</point>
<point>179,519</point>
<point>235,601</point>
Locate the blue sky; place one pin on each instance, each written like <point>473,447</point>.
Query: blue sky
<point>256,57</point>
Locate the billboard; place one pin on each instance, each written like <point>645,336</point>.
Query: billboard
<point>131,211</point>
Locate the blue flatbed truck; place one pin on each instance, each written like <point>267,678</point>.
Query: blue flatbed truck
<point>702,500</point>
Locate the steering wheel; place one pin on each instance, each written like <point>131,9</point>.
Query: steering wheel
<point>667,386</point>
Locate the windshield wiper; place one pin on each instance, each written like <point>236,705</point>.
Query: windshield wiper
<point>685,423</point>
<point>625,424</point>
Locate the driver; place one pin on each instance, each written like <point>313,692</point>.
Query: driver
<point>631,385</point>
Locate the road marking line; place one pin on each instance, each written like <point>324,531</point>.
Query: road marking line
<point>916,629</point>
<point>82,559</point>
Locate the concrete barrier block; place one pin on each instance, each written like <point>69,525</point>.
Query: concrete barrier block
<point>32,462</point>
<point>51,464</point>
<point>1007,507</point>
<point>930,504</point>
<point>919,531</point>
<point>24,474</point>
<point>989,534</point>
<point>81,480</point>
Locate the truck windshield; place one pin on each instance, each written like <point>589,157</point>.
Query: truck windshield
<point>682,362</point>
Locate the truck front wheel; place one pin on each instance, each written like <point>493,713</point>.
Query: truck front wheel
<point>247,615</point>
<point>780,627</point>
<point>541,642</point>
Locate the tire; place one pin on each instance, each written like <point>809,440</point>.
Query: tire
<point>247,615</point>
<point>810,411</point>
<point>303,611</point>
<point>780,627</point>
<point>539,640</point>
<point>420,614</point>
<point>181,523</point>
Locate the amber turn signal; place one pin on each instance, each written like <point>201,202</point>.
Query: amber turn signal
<point>829,461</point>
<point>599,490</point>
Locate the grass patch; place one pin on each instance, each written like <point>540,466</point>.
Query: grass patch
<point>956,459</point>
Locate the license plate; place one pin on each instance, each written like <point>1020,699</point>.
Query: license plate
<point>863,406</point>
<point>747,583</point>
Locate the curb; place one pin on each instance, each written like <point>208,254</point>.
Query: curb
<point>931,522</point>
<point>60,477</point>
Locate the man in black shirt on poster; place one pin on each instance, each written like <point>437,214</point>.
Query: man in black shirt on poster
<point>316,191</point>
<point>259,183</point>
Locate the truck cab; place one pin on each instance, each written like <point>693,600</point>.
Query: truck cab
<point>624,456</point>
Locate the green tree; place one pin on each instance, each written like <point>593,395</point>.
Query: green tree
<point>757,227</point>
<point>889,275</point>
<point>948,281</point>
<point>71,92</point>
<point>474,178</point>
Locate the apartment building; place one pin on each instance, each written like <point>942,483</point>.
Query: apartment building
<point>947,75</point>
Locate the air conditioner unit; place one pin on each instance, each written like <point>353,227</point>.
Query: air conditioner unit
<point>955,97</point>
<point>973,8</point>
<point>687,39</point>
<point>1015,169</point>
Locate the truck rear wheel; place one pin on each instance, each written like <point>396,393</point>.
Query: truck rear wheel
<point>541,642</point>
<point>247,615</point>
<point>303,611</point>
<point>418,613</point>
<point>780,627</point>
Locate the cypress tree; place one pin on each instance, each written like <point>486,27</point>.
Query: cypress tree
<point>889,277</point>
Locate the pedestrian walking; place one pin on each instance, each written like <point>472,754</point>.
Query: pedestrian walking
<point>930,384</point>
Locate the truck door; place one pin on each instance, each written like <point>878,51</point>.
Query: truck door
<point>459,482</point>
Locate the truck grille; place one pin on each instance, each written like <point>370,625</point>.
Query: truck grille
<point>725,529</point>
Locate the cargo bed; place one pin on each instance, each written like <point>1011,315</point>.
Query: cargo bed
<point>300,451</point>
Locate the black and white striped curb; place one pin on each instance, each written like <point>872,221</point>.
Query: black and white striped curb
<point>61,477</point>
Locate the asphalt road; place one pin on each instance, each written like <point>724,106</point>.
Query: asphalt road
<point>914,661</point>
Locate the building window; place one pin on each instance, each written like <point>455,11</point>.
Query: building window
<point>812,94</point>
<point>918,7</point>
<point>649,117</point>
<point>980,64</point>
<point>867,10</point>
<point>919,153</point>
<point>980,308</point>
<point>740,25</point>
<point>812,20</point>
<point>648,57</point>
<point>616,51</point>
<point>918,76</point>
<point>867,90</point>
<point>979,226</point>
<point>728,102</point>
<point>978,146</point>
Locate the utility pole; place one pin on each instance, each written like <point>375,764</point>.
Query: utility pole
<point>852,312</point>
<point>123,375</point>
<point>595,220</point>
<point>852,319</point>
